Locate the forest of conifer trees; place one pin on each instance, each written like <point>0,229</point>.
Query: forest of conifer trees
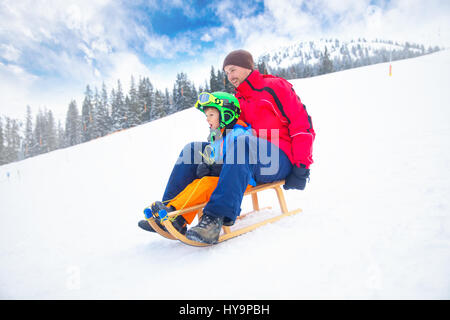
<point>101,112</point>
<point>107,110</point>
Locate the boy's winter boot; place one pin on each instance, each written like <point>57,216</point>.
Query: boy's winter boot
<point>157,206</point>
<point>143,224</point>
<point>179,223</point>
<point>207,231</point>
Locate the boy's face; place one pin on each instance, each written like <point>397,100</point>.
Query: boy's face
<point>212,117</point>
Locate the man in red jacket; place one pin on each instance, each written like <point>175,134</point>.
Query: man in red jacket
<point>283,129</point>
<point>269,103</point>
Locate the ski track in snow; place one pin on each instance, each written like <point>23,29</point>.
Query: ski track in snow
<point>375,221</point>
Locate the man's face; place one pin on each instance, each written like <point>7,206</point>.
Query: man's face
<point>236,75</point>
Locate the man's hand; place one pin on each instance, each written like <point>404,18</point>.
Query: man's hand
<point>297,179</point>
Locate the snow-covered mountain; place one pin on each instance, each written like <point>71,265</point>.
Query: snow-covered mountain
<point>344,54</point>
<point>375,221</point>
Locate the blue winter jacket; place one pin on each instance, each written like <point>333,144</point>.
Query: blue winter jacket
<point>219,146</point>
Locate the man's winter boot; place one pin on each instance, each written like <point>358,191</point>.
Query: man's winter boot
<point>227,222</point>
<point>207,231</point>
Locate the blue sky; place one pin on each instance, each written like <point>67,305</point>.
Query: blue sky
<point>50,51</point>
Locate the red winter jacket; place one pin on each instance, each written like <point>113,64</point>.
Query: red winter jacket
<point>268,102</point>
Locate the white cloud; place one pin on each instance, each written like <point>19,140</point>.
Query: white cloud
<point>206,37</point>
<point>20,88</point>
<point>123,66</point>
<point>9,52</point>
<point>286,21</point>
<point>59,48</point>
<point>214,33</point>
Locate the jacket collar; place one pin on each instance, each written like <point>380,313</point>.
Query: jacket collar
<point>239,122</point>
<point>254,80</point>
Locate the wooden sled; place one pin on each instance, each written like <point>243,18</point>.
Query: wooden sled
<point>227,233</point>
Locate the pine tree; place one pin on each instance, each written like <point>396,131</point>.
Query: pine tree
<point>179,98</point>
<point>7,141</point>
<point>73,125</point>
<point>50,132</point>
<point>2,144</point>
<point>168,102</point>
<point>60,136</point>
<point>229,87</point>
<point>221,81</point>
<point>135,108</point>
<point>38,145</point>
<point>158,105</point>
<point>12,138</point>
<point>28,143</point>
<point>96,111</point>
<point>347,62</point>
<point>184,93</point>
<point>145,99</point>
<point>191,95</point>
<point>262,67</point>
<point>17,139</point>
<point>115,122</point>
<point>118,108</point>
<point>87,116</point>
<point>214,84</point>
<point>206,88</point>
<point>127,110</point>
<point>326,66</point>
<point>104,122</point>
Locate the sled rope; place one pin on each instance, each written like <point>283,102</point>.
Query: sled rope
<point>207,156</point>
<point>187,200</point>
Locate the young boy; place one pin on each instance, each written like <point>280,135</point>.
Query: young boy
<point>222,111</point>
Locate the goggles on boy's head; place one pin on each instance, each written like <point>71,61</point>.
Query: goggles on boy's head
<point>206,98</point>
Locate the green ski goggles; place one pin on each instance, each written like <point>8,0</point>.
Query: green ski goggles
<point>206,98</point>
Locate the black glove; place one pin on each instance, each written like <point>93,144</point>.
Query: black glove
<point>297,179</point>
<point>215,169</point>
<point>202,170</point>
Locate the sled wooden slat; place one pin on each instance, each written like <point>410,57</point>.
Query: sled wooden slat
<point>255,201</point>
<point>254,211</point>
<point>155,227</point>
<point>241,231</point>
<point>227,232</point>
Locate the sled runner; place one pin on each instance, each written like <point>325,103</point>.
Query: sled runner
<point>227,233</point>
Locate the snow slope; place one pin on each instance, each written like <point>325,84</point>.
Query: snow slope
<point>375,221</point>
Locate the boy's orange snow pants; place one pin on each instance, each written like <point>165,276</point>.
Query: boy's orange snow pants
<point>197,192</point>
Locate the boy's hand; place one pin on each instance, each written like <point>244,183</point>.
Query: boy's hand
<point>215,169</point>
<point>212,170</point>
<point>203,170</point>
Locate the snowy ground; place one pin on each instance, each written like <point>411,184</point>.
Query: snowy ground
<point>375,221</point>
